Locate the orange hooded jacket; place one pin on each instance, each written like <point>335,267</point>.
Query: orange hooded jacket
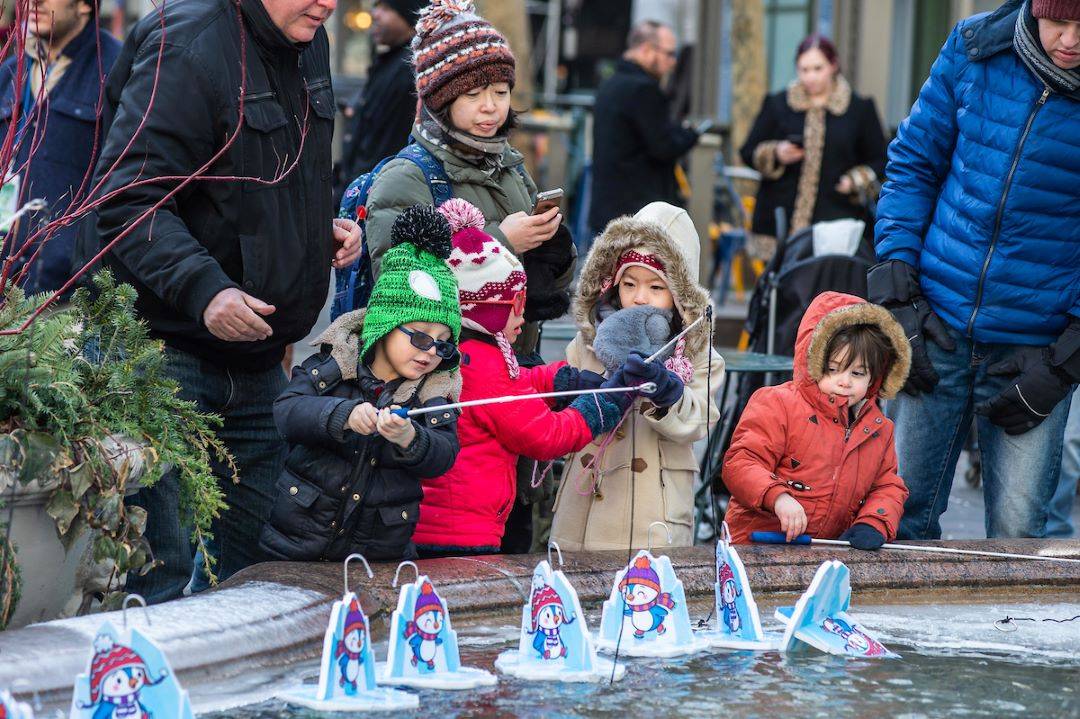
<point>793,438</point>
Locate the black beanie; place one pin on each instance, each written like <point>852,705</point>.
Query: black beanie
<point>408,9</point>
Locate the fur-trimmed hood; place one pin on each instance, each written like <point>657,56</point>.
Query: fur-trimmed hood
<point>828,314</point>
<point>343,339</point>
<point>661,230</point>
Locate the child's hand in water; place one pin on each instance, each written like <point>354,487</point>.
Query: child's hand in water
<point>399,430</point>
<point>363,418</point>
<point>791,515</point>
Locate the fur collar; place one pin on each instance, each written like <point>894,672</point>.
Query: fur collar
<point>839,98</point>
<point>626,233</point>
<point>343,338</point>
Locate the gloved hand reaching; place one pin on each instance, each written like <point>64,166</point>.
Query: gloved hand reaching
<point>669,388</point>
<point>602,412</point>
<point>895,286</point>
<point>863,536</point>
<point>1038,388</point>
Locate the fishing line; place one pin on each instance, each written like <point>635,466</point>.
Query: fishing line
<point>630,539</point>
<point>1006,624</point>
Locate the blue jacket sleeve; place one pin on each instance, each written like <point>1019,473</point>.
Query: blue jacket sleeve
<point>919,161</point>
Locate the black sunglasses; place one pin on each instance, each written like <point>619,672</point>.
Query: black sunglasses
<point>423,341</point>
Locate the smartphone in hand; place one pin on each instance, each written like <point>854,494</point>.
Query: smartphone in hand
<point>547,199</point>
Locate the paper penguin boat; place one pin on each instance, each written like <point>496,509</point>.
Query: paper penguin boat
<point>646,613</point>
<point>738,623</point>
<point>423,647</point>
<point>12,709</point>
<point>347,669</point>
<point>554,644</point>
<point>820,618</point>
<point>127,675</point>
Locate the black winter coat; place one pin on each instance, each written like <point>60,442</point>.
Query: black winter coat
<point>67,141</point>
<point>635,145</point>
<point>273,240</point>
<point>342,492</point>
<point>385,112</point>
<point>853,139</point>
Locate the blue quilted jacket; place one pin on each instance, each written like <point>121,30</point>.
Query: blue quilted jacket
<point>983,190</point>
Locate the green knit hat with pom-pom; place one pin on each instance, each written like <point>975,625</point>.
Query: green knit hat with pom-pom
<point>415,284</point>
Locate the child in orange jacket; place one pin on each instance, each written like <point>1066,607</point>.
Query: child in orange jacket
<point>815,455</point>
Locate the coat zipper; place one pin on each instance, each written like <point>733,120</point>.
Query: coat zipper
<point>340,517</point>
<point>1001,208</point>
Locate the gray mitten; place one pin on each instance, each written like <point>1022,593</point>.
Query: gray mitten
<point>643,329</point>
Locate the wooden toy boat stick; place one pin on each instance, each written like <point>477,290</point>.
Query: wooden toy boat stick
<point>645,387</point>
<point>779,538</point>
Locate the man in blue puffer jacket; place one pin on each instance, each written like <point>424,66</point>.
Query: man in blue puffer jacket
<point>978,238</point>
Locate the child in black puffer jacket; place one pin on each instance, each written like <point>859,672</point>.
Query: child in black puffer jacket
<point>352,476</point>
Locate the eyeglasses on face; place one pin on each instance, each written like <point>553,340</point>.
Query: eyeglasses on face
<point>517,302</point>
<point>423,341</point>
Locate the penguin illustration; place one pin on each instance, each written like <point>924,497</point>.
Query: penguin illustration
<point>117,676</point>
<point>349,652</point>
<point>857,641</point>
<point>645,604</point>
<point>548,615</point>
<point>729,591</point>
<point>422,633</point>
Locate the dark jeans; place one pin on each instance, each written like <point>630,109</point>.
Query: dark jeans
<point>1019,472</point>
<point>245,402</point>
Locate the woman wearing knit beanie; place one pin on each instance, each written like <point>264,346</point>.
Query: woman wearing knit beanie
<point>464,73</point>
<point>465,510</point>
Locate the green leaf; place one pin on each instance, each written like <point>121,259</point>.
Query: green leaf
<point>42,451</point>
<point>81,478</point>
<point>63,508</point>
<point>75,530</point>
<point>137,518</point>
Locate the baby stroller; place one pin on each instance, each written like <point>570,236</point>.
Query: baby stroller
<point>792,279</point>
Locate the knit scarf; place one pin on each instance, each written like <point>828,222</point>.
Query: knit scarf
<point>1028,46</point>
<point>411,629</point>
<point>485,152</point>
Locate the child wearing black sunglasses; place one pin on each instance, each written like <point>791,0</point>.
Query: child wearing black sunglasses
<point>465,510</point>
<point>352,476</point>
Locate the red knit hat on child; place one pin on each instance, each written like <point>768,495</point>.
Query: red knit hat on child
<point>491,280</point>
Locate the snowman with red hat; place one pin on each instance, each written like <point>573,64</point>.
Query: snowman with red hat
<point>422,633</point>
<point>117,676</point>
<point>548,615</point>
<point>349,652</point>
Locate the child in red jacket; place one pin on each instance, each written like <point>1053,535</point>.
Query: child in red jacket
<point>465,510</point>
<point>815,455</point>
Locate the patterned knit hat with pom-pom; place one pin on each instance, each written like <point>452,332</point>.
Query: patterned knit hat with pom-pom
<point>455,50</point>
<point>414,284</point>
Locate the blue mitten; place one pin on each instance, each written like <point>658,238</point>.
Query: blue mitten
<point>571,378</point>
<point>602,412</point>
<point>863,536</point>
<point>669,388</point>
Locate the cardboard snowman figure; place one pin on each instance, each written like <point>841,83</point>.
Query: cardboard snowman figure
<point>128,677</point>
<point>347,670</point>
<point>646,614</point>
<point>738,623</point>
<point>820,618</point>
<point>554,643</point>
<point>12,709</point>
<point>423,647</point>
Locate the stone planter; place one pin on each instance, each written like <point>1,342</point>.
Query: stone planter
<point>54,581</point>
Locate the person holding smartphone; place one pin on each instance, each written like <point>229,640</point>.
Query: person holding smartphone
<point>819,148</point>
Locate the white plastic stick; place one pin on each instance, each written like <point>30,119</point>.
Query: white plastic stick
<point>671,342</point>
<point>645,387</point>
<point>950,550</point>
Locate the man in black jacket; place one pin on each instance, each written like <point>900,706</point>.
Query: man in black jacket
<point>383,114</point>
<point>635,143</point>
<point>217,168</point>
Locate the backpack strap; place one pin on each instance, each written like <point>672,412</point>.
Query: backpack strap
<point>434,174</point>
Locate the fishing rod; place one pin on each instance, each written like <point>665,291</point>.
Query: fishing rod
<point>671,342</point>
<point>646,387</point>
<point>781,538</point>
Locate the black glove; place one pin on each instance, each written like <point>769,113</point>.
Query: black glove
<point>544,265</point>
<point>1039,386</point>
<point>572,379</point>
<point>669,388</point>
<point>895,285</point>
<point>602,412</point>
<point>863,536</point>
